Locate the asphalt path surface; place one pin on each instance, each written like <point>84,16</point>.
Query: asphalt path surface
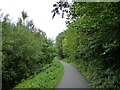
<point>72,78</point>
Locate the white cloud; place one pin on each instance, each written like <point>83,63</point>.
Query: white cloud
<point>39,11</point>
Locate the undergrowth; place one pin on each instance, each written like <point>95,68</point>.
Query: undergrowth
<point>46,79</point>
<point>96,75</point>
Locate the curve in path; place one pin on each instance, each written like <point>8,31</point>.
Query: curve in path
<point>72,78</point>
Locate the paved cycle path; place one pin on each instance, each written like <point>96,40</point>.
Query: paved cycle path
<point>72,78</point>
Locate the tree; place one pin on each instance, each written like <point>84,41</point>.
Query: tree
<point>59,43</point>
<point>92,38</point>
<point>24,15</point>
<point>24,53</point>
<point>63,6</point>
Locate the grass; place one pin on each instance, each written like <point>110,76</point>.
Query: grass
<point>46,79</point>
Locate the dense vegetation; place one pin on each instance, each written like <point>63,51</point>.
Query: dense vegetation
<point>48,78</point>
<point>92,41</point>
<point>25,50</point>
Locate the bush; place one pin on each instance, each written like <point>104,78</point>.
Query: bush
<point>45,79</point>
<point>25,52</point>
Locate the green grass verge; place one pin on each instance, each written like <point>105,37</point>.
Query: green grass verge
<point>46,79</point>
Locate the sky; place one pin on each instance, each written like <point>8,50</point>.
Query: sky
<point>39,11</point>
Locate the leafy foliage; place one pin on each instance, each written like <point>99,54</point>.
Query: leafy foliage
<point>59,39</point>
<point>48,78</point>
<point>92,37</point>
<point>63,6</point>
<point>25,51</point>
